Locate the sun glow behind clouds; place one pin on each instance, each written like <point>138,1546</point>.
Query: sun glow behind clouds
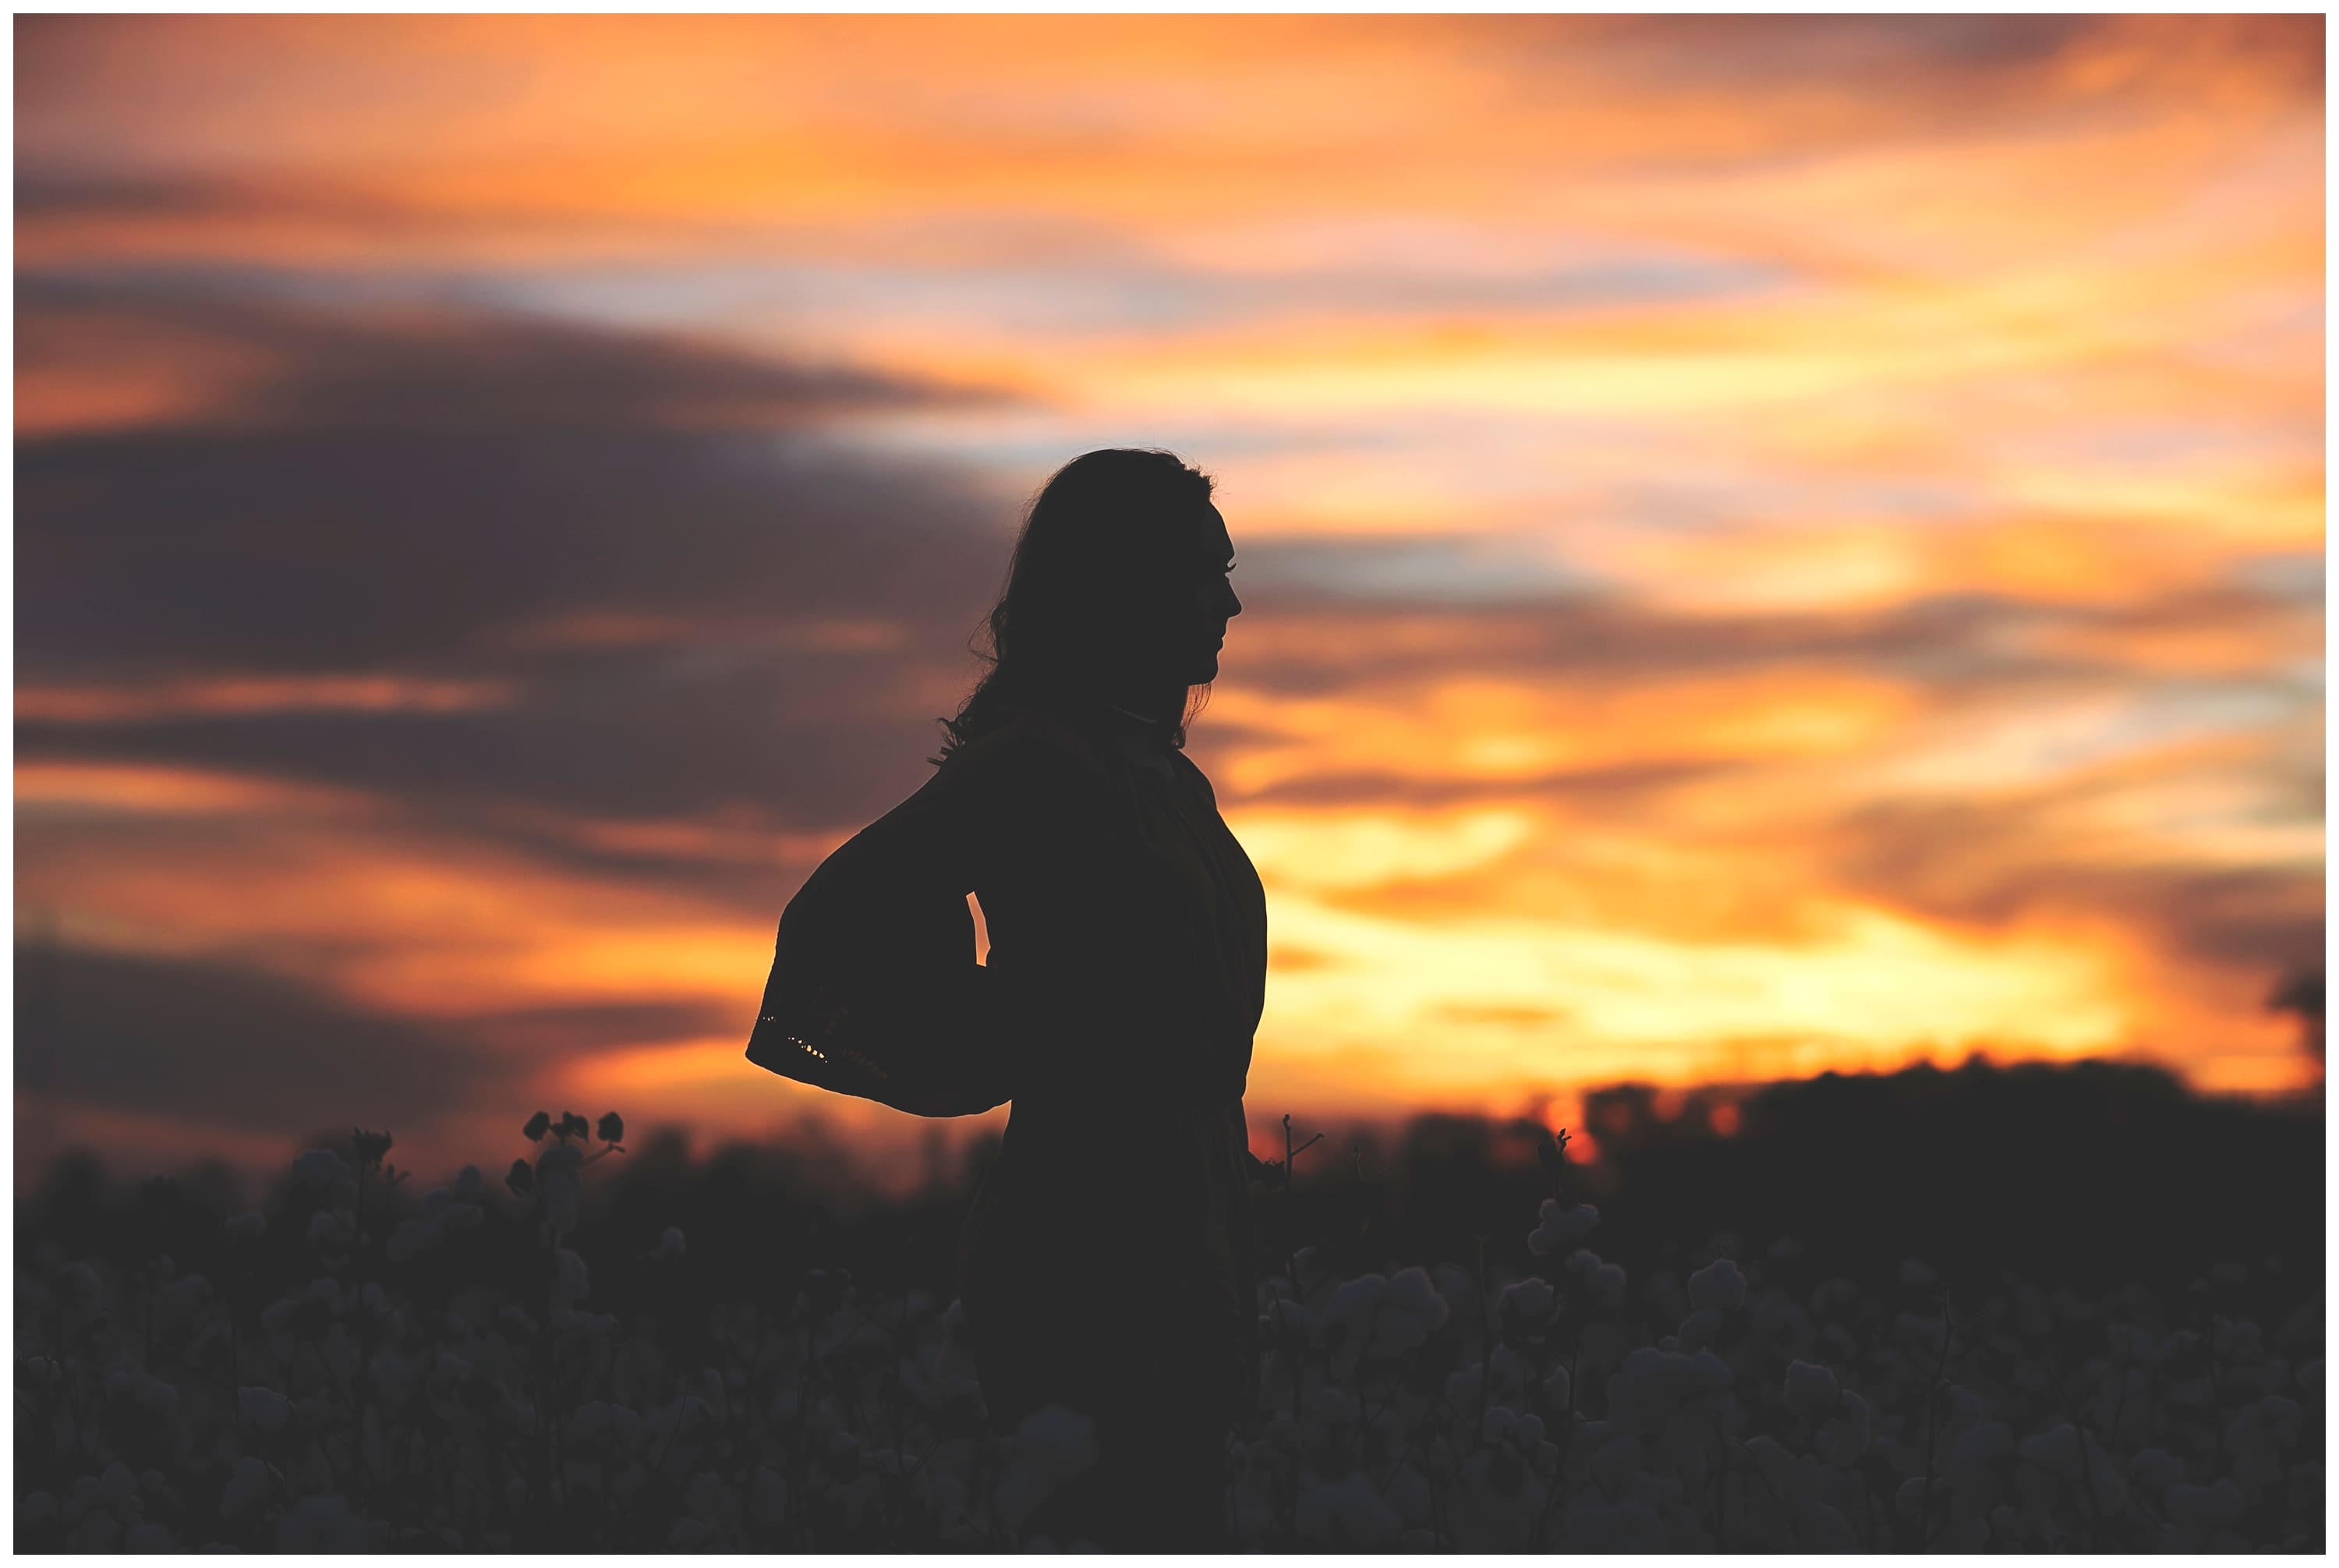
<point>1769,543</point>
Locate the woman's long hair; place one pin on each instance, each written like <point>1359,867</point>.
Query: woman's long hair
<point>1106,560</point>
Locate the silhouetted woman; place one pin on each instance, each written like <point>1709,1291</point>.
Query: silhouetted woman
<point>1107,1265</point>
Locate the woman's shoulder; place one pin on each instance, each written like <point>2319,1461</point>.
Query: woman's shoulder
<point>1028,740</point>
<point>1196,779</point>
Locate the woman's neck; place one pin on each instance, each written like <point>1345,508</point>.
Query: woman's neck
<point>1148,706</point>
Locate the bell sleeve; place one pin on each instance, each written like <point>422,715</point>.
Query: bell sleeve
<point>874,991</point>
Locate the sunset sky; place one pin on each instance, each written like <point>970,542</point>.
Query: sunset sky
<point>1768,544</point>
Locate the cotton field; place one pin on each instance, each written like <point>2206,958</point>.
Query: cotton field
<point>373,1369</point>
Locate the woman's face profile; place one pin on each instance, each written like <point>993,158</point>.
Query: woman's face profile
<point>1214,599</point>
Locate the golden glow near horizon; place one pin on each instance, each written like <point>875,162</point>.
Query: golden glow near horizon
<point>1770,542</point>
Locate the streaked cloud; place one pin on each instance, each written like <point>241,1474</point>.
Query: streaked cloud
<point>1769,542</point>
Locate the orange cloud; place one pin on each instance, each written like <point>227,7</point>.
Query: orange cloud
<point>1862,476</point>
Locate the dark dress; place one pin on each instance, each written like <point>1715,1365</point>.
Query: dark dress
<point>1108,1261</point>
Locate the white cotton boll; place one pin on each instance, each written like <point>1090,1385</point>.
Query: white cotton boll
<point>1607,1284</point>
<point>1289,1316</point>
<point>2155,1470</point>
<point>1529,1302</point>
<point>1463,1385</point>
<point>247,1483</point>
<point>1528,1432</point>
<point>2206,1507</point>
<point>2188,1392</point>
<point>2055,1450</point>
<point>1614,1461</point>
<point>1698,1329</point>
<point>188,1293</point>
<point>1353,1303</point>
<point>767,1497</point>
<point>671,1246</point>
<point>560,1201</point>
<point>591,1424</point>
<point>1408,1493</point>
<point>1557,1229</point>
<point>1555,1389</point>
<point>2180,1340</point>
<point>570,1281</point>
<point>1820,1527</point>
<point>1810,1386</point>
<point>450,1371</point>
<point>1914,1274</point>
<point>1644,1392</point>
<point>1969,1468</point>
<point>709,1499</point>
<point>1842,1441</point>
<point>157,1397</point>
<point>2064,1453</point>
<point>1051,1446</point>
<point>148,1536</point>
<point>329,1232</point>
<point>1791,1478</point>
<point>321,1524</point>
<point>2264,1425</point>
<point>1718,1286</point>
<point>410,1238</point>
<point>262,1409</point>
<point>1500,1423</point>
<point>2310,1376</point>
<point>1707,1372</point>
<point>321,1167</point>
<point>1925,1331</point>
<point>1345,1512</point>
<point>1414,1301</point>
<point>249,1225</point>
<point>2236,1340</point>
<point>277,1316</point>
<point>1509,1371</point>
<point>1595,1528</point>
<point>1362,1515</point>
<point>395,1374</point>
<point>1331,1408</point>
<point>1908,1501</point>
<point>78,1282</point>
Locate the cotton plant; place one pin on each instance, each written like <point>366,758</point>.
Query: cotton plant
<point>369,1370</point>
